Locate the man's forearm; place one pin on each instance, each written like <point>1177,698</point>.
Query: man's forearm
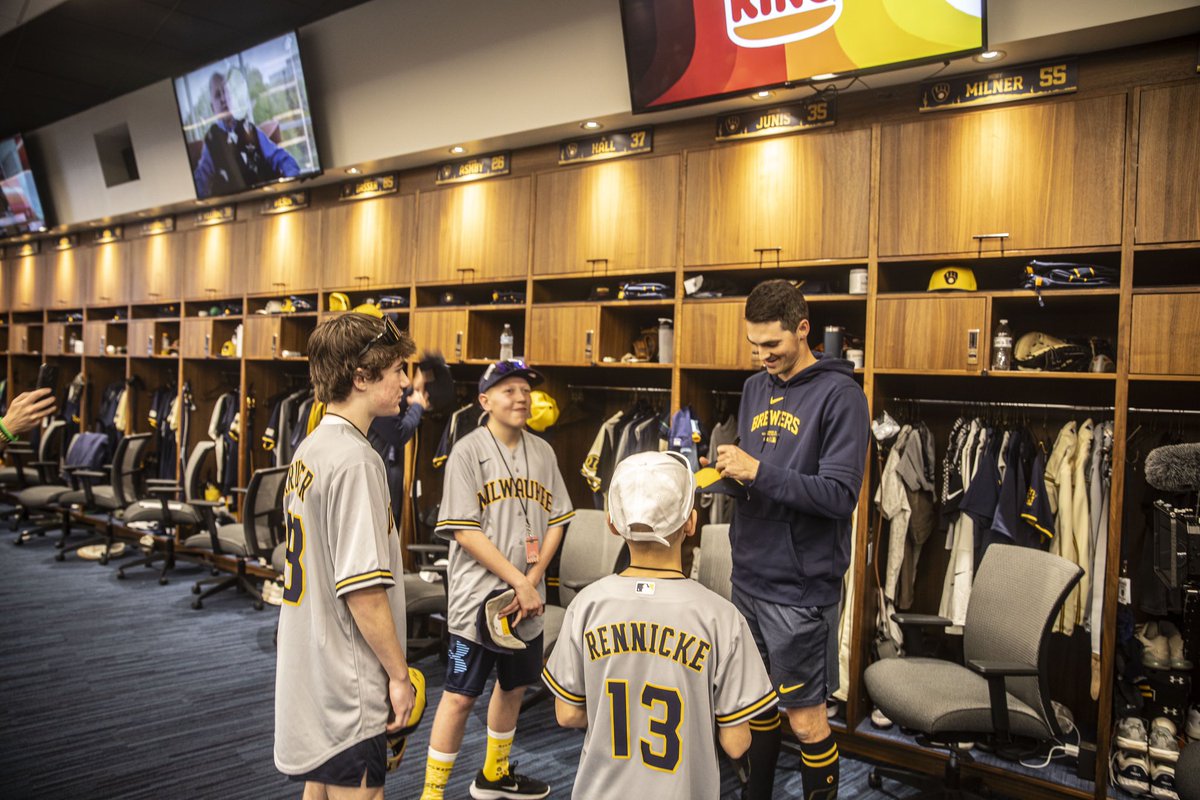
<point>373,615</point>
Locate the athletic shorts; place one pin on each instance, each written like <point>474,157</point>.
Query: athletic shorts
<point>799,646</point>
<point>470,664</point>
<point>347,767</point>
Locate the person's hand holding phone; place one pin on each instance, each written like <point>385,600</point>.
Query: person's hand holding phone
<point>28,409</point>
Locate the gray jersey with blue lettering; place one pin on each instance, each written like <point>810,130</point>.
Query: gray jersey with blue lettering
<point>494,489</point>
<point>658,664</point>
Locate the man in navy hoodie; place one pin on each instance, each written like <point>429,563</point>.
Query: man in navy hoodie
<point>803,429</point>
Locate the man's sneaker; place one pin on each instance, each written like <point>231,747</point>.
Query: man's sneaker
<point>1193,723</point>
<point>1174,645</point>
<point>1131,735</point>
<point>1163,744</point>
<point>510,785</point>
<point>880,720</point>
<point>1162,781</point>
<point>1157,652</point>
<point>1131,771</point>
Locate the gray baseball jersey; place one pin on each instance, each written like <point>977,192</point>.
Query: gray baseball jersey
<point>330,689</point>
<point>493,489</point>
<point>657,663</point>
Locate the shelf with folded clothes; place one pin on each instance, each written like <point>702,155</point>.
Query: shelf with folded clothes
<point>1003,274</point>
<point>645,286</point>
<point>387,299</point>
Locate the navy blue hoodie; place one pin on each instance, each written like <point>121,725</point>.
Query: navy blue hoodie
<point>791,539</point>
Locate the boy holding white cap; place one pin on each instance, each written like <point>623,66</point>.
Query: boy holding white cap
<point>651,662</point>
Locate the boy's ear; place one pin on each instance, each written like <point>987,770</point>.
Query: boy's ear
<point>612,528</point>
<point>689,527</point>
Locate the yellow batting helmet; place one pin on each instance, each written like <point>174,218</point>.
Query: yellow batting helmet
<point>338,301</point>
<point>369,308</point>
<point>543,411</point>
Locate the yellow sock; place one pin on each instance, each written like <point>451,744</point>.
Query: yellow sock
<point>437,774</point>
<point>495,764</point>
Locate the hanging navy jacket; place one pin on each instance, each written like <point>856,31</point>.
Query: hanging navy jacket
<point>791,537</point>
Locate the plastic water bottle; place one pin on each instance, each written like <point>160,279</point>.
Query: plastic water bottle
<point>506,343</point>
<point>666,340</point>
<point>1002,348</point>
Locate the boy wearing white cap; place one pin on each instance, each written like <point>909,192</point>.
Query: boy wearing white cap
<point>651,662</point>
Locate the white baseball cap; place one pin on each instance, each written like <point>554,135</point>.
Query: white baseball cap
<point>655,489</point>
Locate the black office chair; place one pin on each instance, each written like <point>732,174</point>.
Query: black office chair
<point>125,484</point>
<point>256,536</point>
<point>169,515</point>
<point>1001,695</point>
<point>37,501</point>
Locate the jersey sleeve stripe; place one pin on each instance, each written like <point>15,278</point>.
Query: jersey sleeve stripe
<point>1032,520</point>
<point>457,523</point>
<point>353,580</point>
<point>751,710</point>
<point>562,519</point>
<point>560,692</point>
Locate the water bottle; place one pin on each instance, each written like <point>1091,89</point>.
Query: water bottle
<point>1002,348</point>
<point>666,340</point>
<point>506,343</point>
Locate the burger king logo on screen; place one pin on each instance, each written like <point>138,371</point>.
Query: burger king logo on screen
<point>768,23</point>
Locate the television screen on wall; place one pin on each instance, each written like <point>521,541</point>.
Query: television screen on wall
<point>246,119</point>
<point>20,205</point>
<point>680,52</point>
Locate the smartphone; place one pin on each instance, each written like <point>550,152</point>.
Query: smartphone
<point>47,376</point>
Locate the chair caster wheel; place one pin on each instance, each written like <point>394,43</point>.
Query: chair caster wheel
<point>19,541</point>
<point>258,605</point>
<point>60,556</point>
<point>120,574</point>
<point>104,558</point>
<point>195,589</point>
<point>874,781</point>
<point>162,581</point>
<point>197,604</point>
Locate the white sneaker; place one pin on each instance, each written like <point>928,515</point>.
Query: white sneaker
<point>1174,645</point>
<point>880,720</point>
<point>1157,652</point>
<point>1193,723</point>
<point>272,593</point>
<point>1131,735</point>
<point>1131,771</point>
<point>1163,744</point>
<point>1162,781</point>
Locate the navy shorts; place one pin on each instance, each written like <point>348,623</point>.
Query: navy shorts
<point>470,664</point>
<point>799,646</point>
<point>348,767</point>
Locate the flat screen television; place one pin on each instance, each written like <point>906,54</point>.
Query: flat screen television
<point>681,52</point>
<point>246,119</point>
<point>20,205</point>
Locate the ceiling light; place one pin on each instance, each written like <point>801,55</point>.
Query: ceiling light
<point>458,150</point>
<point>763,95</point>
<point>824,76</point>
<point>354,171</point>
<point>989,56</point>
<point>591,125</point>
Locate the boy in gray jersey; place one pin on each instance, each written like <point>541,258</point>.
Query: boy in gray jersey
<point>503,507</point>
<point>649,661</point>
<point>341,669</point>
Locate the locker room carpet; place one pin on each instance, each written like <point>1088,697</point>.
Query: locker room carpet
<point>120,689</point>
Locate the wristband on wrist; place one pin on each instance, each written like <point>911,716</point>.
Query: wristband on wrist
<point>6,433</point>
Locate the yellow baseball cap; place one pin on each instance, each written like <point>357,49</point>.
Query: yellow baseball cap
<point>957,279</point>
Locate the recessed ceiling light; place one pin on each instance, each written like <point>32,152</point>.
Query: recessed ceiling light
<point>591,125</point>
<point>42,229</point>
<point>824,76</point>
<point>989,56</point>
<point>763,95</point>
<point>354,171</point>
<point>458,150</point>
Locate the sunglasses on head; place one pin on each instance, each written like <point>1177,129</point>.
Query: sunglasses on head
<point>390,335</point>
<point>505,367</point>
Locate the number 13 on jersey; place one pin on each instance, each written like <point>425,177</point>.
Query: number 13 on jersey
<point>666,717</point>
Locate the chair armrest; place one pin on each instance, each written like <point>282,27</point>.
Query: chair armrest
<point>161,482</point>
<point>40,464</point>
<point>576,585</point>
<point>86,473</point>
<point>206,503</point>
<point>15,450</point>
<point>1001,669</point>
<point>163,490</point>
<point>433,549</point>
<point>924,620</point>
<point>442,568</point>
<point>238,490</point>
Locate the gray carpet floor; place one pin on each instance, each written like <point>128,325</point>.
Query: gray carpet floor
<point>119,689</point>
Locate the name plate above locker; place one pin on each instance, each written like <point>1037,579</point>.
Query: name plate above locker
<point>474,169</point>
<point>372,186</point>
<point>813,113</point>
<point>606,146</point>
<point>1000,86</point>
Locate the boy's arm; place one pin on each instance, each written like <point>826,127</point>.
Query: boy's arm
<point>735,740</point>
<point>480,548</point>
<point>550,545</point>
<point>373,615</point>
<point>570,716</point>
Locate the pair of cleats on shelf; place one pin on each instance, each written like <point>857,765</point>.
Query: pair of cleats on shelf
<point>1143,762</point>
<point>1162,645</point>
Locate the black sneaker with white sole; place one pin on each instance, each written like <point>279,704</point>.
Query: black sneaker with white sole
<point>511,785</point>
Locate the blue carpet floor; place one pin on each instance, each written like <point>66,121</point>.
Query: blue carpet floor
<point>119,689</point>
